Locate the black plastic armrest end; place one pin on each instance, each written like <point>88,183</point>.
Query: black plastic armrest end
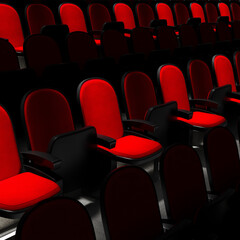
<point>106,141</point>
<point>141,124</point>
<point>183,114</point>
<point>41,159</point>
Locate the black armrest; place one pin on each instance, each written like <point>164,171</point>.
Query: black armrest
<point>158,23</point>
<point>183,114</point>
<point>41,159</point>
<point>141,124</point>
<point>106,141</point>
<point>233,95</point>
<point>204,102</point>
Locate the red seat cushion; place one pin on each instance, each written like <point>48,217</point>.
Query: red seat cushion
<point>24,190</point>
<point>203,119</point>
<point>228,99</point>
<point>134,147</point>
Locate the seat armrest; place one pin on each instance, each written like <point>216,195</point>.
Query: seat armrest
<point>106,141</point>
<point>141,124</point>
<point>233,95</point>
<point>204,102</point>
<point>41,159</point>
<point>183,114</point>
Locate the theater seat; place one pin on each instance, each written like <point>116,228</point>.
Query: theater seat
<point>235,9</point>
<point>100,109</point>
<point>57,218</point>
<point>197,11</point>
<point>145,14</point>
<point>20,189</point>
<point>211,12</point>
<point>224,10</point>
<point>10,27</point>
<point>165,12</point>
<point>181,13</point>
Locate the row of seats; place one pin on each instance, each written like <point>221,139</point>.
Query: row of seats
<point>39,15</point>
<point>129,203</point>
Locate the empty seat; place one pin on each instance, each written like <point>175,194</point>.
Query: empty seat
<point>235,9</point>
<point>38,15</point>
<point>197,11</point>
<point>181,13</point>
<point>222,160</point>
<point>211,12</point>
<point>224,10</point>
<point>41,51</point>
<point>165,12</point>
<point>10,27</point>
<point>173,87</point>
<point>99,15</point>
<point>123,13</point>
<point>20,189</point>
<point>145,14</point>
<point>72,15</point>
<point>130,207</point>
<point>60,218</point>
<point>105,116</point>
<point>224,71</point>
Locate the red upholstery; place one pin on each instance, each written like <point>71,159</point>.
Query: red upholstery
<point>24,190</point>
<point>203,119</point>
<point>223,159</point>
<point>167,38</point>
<point>232,100</point>
<point>235,8</point>
<point>100,108</point>
<point>188,35</point>
<point>8,56</point>
<point>145,14</point>
<point>134,147</point>
<point>211,12</point>
<point>197,11</point>
<point>224,71</point>
<point>81,48</point>
<point>143,41</point>
<point>237,64</point>
<point>173,86</point>
<point>114,44</point>
<point>10,27</point>
<point>73,16</point>
<point>181,12</point>
<point>131,206</point>
<point>99,15</point>
<point>9,157</point>
<point>123,13</point>
<point>223,31</point>
<point>207,33</point>
<point>38,15</point>
<point>60,218</point>
<point>47,114</point>
<point>165,12</point>
<point>201,79</point>
<point>41,51</point>
<point>139,94</point>
<point>184,182</point>
<point>224,10</point>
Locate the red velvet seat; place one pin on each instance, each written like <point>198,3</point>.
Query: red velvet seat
<point>100,109</point>
<point>19,189</point>
<point>72,15</point>
<point>173,87</point>
<point>145,14</point>
<point>224,71</point>
<point>197,11</point>
<point>165,12</point>
<point>181,13</point>
<point>38,15</point>
<point>211,12</point>
<point>10,27</point>
<point>123,13</point>
<point>58,218</point>
<point>235,9</point>
<point>224,10</point>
